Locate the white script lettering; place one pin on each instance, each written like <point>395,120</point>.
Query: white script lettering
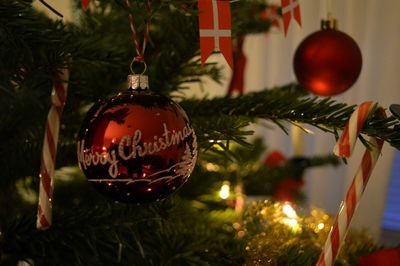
<point>130,147</point>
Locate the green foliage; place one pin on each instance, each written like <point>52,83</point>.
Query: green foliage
<point>98,48</point>
<point>243,164</point>
<point>289,103</point>
<point>166,233</point>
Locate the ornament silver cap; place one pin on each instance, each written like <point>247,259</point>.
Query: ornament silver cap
<point>329,24</point>
<point>138,82</point>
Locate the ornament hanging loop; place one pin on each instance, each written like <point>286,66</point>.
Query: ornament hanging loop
<point>141,61</point>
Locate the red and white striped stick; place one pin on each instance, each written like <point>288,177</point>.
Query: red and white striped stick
<point>58,97</point>
<point>343,148</point>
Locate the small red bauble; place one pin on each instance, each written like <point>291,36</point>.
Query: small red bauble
<point>137,146</point>
<point>327,62</point>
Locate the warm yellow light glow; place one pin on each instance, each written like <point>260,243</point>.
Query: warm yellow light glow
<point>212,167</point>
<point>291,222</point>
<point>241,234</point>
<point>292,217</point>
<point>289,211</point>
<point>321,226</point>
<point>215,141</point>
<point>225,190</point>
<point>236,225</point>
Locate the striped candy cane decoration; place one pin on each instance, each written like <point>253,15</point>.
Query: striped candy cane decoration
<point>343,148</point>
<point>58,97</point>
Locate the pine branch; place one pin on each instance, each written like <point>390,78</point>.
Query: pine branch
<point>264,180</point>
<point>169,232</point>
<point>87,230</point>
<point>290,104</point>
<point>247,18</point>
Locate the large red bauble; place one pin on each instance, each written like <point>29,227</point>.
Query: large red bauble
<point>327,62</point>
<point>137,146</point>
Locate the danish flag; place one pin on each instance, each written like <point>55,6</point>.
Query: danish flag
<point>215,29</point>
<point>290,7</point>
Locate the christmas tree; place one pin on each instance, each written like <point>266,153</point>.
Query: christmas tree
<point>206,222</point>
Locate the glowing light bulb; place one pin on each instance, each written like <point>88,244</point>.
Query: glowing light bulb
<point>291,222</point>
<point>225,190</point>
<point>289,211</point>
<point>212,167</point>
<point>291,219</point>
<point>321,226</point>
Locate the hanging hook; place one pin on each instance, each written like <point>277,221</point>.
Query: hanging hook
<point>136,59</point>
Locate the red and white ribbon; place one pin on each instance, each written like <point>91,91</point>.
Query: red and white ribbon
<point>343,148</point>
<point>47,167</point>
<point>139,50</point>
<point>215,29</point>
<point>290,8</point>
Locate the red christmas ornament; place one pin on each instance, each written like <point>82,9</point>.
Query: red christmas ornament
<point>327,62</point>
<point>137,146</point>
<point>389,256</point>
<point>287,187</point>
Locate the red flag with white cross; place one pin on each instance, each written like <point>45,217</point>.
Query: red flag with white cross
<point>215,29</point>
<point>290,8</point>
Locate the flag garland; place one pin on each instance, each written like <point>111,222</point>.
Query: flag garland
<point>215,29</point>
<point>290,8</point>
